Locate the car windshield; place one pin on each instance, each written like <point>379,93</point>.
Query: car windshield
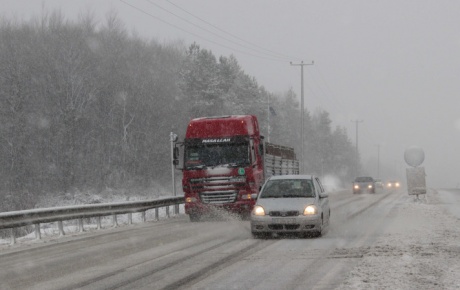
<point>363,179</point>
<point>288,188</point>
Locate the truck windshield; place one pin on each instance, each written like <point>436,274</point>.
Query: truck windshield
<point>211,155</point>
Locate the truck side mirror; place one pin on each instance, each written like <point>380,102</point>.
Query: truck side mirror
<point>176,153</point>
<point>261,149</point>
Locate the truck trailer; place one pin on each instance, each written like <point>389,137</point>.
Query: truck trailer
<point>225,161</point>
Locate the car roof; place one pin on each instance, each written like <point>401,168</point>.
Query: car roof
<point>291,176</point>
<point>364,178</point>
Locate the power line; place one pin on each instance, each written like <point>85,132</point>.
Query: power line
<point>202,28</point>
<point>233,35</point>
<point>196,35</point>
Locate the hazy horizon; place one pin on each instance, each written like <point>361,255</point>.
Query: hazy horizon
<point>391,65</point>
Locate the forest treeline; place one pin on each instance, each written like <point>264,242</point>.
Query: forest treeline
<point>86,106</point>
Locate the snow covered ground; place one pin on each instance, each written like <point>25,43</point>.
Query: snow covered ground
<point>419,250</point>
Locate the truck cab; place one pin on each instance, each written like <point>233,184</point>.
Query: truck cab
<point>222,165</point>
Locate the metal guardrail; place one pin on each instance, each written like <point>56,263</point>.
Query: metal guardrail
<point>14,219</point>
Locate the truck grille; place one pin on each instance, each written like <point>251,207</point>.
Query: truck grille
<point>218,189</point>
<point>218,197</point>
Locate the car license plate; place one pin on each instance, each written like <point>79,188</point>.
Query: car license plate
<point>283,220</point>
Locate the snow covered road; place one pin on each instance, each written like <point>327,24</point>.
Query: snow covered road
<point>375,241</point>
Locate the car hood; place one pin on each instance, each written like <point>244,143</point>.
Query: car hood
<point>284,204</point>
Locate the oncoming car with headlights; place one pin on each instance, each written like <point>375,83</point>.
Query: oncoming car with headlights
<point>393,184</point>
<point>364,184</point>
<point>291,204</point>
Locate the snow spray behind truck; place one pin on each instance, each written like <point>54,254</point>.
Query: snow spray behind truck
<point>225,162</point>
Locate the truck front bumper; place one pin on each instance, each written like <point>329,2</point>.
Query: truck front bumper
<point>238,207</point>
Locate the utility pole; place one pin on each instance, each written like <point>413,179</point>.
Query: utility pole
<point>268,118</point>
<point>302,113</point>
<point>172,139</point>
<point>378,160</point>
<point>357,152</point>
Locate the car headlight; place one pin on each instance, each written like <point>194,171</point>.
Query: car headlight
<point>356,186</point>
<point>310,210</point>
<point>369,186</point>
<point>258,210</point>
<point>397,184</point>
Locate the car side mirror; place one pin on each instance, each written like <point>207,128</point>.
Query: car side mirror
<point>323,195</point>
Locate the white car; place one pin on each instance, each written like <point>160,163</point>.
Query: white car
<point>291,204</point>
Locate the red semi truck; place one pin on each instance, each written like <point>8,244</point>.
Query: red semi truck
<point>225,162</point>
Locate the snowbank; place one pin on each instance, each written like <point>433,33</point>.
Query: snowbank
<point>419,250</point>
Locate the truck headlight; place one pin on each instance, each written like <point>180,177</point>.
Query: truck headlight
<point>246,196</point>
<point>190,199</point>
<point>310,210</point>
<point>258,210</point>
<point>249,196</point>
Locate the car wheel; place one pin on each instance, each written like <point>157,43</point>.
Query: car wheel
<point>319,232</point>
<point>194,217</point>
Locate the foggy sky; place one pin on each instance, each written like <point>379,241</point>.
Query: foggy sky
<point>395,65</point>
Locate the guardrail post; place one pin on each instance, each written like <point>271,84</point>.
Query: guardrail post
<point>167,211</point>
<point>98,220</point>
<point>176,209</point>
<point>80,225</point>
<point>157,214</point>
<point>143,216</point>
<point>61,229</point>
<point>13,237</point>
<point>130,218</point>
<point>38,235</point>
<point>114,221</point>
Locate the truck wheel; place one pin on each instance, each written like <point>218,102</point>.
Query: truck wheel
<point>256,235</point>
<point>194,217</point>
<point>245,216</point>
<point>260,235</point>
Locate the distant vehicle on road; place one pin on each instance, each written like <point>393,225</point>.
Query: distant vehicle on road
<point>379,183</point>
<point>393,184</point>
<point>291,204</point>
<point>364,184</point>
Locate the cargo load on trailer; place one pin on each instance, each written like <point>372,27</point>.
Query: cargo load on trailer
<point>225,162</point>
